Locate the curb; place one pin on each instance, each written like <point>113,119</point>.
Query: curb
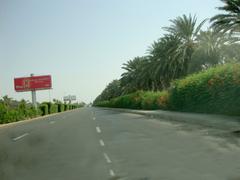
<point>229,123</point>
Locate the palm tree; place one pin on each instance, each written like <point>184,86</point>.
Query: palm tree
<point>186,29</point>
<point>211,49</point>
<point>136,75</point>
<point>7,100</point>
<point>165,64</point>
<point>230,21</point>
<point>112,90</point>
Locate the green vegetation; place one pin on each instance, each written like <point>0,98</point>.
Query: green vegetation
<point>44,109</point>
<point>12,110</point>
<point>229,21</point>
<point>216,90</point>
<point>187,69</point>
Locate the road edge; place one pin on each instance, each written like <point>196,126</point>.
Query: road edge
<point>229,123</point>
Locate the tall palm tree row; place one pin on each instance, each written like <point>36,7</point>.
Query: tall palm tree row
<point>184,49</point>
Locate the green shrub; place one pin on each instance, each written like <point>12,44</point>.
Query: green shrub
<point>139,100</point>
<point>23,110</point>
<point>132,101</point>
<point>216,90</point>
<point>66,107</point>
<point>32,112</point>
<point>3,112</point>
<point>60,107</point>
<point>53,108</point>
<point>44,108</point>
<point>155,100</point>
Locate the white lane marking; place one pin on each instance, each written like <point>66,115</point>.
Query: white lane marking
<point>107,158</point>
<point>111,172</point>
<point>20,137</point>
<point>101,142</point>
<point>98,129</point>
<point>52,122</point>
<point>94,118</point>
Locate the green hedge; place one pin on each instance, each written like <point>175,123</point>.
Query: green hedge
<point>139,100</point>
<point>66,107</point>
<point>13,110</point>
<point>60,107</point>
<point>52,108</point>
<point>9,114</point>
<point>44,109</point>
<point>216,90</point>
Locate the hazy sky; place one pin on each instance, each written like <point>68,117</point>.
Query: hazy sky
<point>81,43</point>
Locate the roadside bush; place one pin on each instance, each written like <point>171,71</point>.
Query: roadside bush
<point>66,107</point>
<point>32,112</point>
<point>12,110</point>
<point>216,90</point>
<point>155,100</point>
<point>53,108</point>
<point>44,109</point>
<point>60,107</point>
<point>139,100</point>
<point>132,101</point>
<point>3,112</point>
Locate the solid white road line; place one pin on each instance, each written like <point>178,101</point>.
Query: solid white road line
<point>111,172</point>
<point>51,122</point>
<point>20,137</point>
<point>107,158</point>
<point>101,142</point>
<point>98,129</point>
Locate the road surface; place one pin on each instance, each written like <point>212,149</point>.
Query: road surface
<point>98,144</point>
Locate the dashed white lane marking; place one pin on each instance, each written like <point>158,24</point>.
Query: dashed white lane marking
<point>98,129</point>
<point>107,158</point>
<point>94,118</point>
<point>101,142</point>
<point>52,122</point>
<point>20,137</point>
<point>111,172</point>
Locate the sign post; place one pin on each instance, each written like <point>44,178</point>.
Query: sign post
<point>33,83</point>
<point>69,98</point>
<point>34,96</point>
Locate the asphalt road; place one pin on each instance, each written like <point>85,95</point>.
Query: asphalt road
<point>97,144</point>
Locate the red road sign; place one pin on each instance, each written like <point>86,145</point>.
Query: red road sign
<point>32,83</point>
